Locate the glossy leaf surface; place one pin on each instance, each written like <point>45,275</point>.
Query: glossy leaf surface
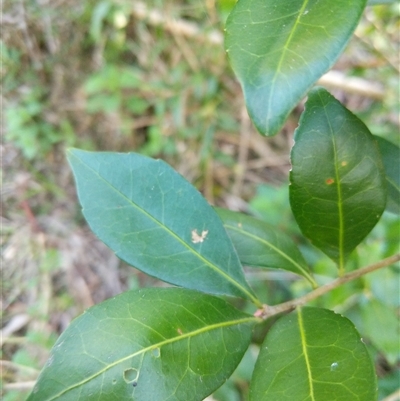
<point>260,245</point>
<point>147,345</point>
<point>315,355</point>
<point>153,219</point>
<point>391,161</point>
<point>279,49</point>
<point>337,182</point>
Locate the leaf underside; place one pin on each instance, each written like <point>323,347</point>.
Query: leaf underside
<point>147,345</point>
<point>153,219</point>
<point>261,245</point>
<point>391,161</point>
<point>313,354</point>
<point>279,49</point>
<point>337,182</point>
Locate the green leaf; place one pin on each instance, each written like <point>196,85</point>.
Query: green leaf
<point>338,189</point>
<point>316,355</point>
<point>148,345</point>
<point>99,14</point>
<point>260,245</point>
<point>153,219</point>
<point>391,157</point>
<point>375,316</point>
<point>377,2</point>
<point>279,49</point>
<point>384,284</point>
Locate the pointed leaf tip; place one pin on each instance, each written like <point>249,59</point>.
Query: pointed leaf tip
<point>153,219</point>
<point>279,49</point>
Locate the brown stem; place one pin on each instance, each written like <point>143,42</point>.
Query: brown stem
<point>269,311</point>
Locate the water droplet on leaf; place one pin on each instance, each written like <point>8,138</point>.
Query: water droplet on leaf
<point>334,366</point>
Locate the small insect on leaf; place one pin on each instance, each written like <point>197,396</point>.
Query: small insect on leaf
<point>196,238</point>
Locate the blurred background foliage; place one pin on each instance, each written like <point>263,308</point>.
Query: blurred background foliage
<point>153,78</point>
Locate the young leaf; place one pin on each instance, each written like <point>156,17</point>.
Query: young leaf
<point>279,49</point>
<point>313,354</point>
<point>391,161</point>
<point>147,345</point>
<point>338,189</point>
<point>153,219</point>
<point>260,245</point>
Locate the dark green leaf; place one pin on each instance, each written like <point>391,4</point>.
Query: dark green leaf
<point>147,345</point>
<point>338,189</point>
<point>391,161</point>
<point>152,218</point>
<point>316,355</point>
<point>279,49</point>
<point>260,245</point>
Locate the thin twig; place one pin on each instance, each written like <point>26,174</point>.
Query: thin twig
<point>186,51</point>
<point>37,63</point>
<point>16,366</point>
<point>15,324</point>
<point>359,86</point>
<point>20,386</point>
<point>245,127</point>
<point>269,311</point>
<point>180,27</point>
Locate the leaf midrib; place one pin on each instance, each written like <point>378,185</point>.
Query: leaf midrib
<point>282,57</point>
<point>158,345</point>
<point>277,250</point>
<point>170,232</point>
<point>305,353</point>
<point>339,191</point>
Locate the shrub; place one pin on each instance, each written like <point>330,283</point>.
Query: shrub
<point>183,343</point>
